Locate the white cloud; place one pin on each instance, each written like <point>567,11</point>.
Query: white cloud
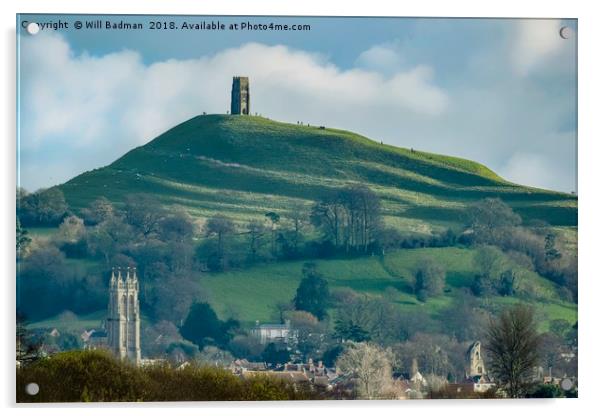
<point>81,111</point>
<point>537,42</point>
<point>383,58</point>
<point>542,172</point>
<point>111,103</point>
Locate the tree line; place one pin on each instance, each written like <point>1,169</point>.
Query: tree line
<point>94,376</point>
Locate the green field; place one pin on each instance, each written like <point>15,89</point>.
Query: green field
<point>74,323</point>
<point>244,166</point>
<point>252,294</point>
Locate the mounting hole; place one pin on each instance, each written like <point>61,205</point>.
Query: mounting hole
<point>33,28</point>
<point>566,384</point>
<point>566,32</point>
<point>32,389</point>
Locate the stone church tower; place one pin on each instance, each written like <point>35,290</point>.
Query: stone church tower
<point>476,364</point>
<point>241,96</point>
<point>123,322</point>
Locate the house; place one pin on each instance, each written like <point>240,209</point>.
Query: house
<point>276,333</point>
<point>316,375</point>
<point>476,384</point>
<point>98,339</point>
<point>94,339</point>
<point>242,366</point>
<point>85,336</point>
<point>149,362</point>
<point>483,384</point>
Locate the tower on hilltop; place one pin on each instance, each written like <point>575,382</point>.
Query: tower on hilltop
<point>241,97</point>
<point>123,322</point>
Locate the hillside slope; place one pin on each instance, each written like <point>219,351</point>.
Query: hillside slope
<point>245,165</point>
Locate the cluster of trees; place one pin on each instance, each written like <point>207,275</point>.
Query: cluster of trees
<point>429,279</point>
<point>46,207</point>
<point>162,245</point>
<point>142,233</point>
<point>513,347</point>
<point>349,222</point>
<point>202,327</point>
<point>47,285</point>
<point>170,249</point>
<point>307,314</point>
<point>362,318</point>
<point>439,345</point>
<point>491,222</point>
<point>93,376</point>
<point>350,219</point>
<point>488,260</point>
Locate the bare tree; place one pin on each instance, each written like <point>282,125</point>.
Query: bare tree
<point>71,229</point>
<point>98,211</point>
<point>327,215</point>
<point>274,220</point>
<point>349,218</point>
<point>22,239</point>
<point>309,333</point>
<point>220,227</point>
<point>370,365</point>
<point>144,213</point>
<point>513,344</point>
<point>255,233</point>
<point>298,217</point>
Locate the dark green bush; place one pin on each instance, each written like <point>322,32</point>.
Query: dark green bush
<point>93,376</point>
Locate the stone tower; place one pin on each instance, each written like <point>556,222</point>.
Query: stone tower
<point>123,322</point>
<point>476,365</point>
<point>241,97</point>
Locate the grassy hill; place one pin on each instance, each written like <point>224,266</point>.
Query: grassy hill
<point>244,166</point>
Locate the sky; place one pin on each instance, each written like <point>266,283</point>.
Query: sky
<point>498,91</point>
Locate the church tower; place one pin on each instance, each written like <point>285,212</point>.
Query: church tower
<point>123,322</point>
<point>241,96</point>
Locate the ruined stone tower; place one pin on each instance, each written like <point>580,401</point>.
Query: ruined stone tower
<point>476,365</point>
<point>123,322</point>
<point>241,97</point>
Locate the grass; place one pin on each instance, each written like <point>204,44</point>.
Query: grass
<point>74,323</point>
<point>42,233</point>
<point>253,294</point>
<point>244,166</point>
<point>546,311</point>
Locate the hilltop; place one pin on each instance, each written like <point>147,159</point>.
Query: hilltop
<point>243,166</point>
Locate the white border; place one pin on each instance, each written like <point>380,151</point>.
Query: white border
<point>590,375</point>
